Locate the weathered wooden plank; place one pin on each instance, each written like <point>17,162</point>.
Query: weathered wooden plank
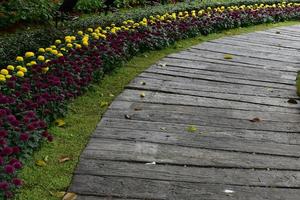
<point>237,60</point>
<point>156,71</point>
<point>240,177</point>
<point>260,53</point>
<point>228,72</point>
<point>229,140</point>
<point>121,187</point>
<point>227,68</point>
<point>241,52</point>
<point>208,86</point>
<point>135,151</point>
<point>165,129</point>
<point>271,101</point>
<point>249,44</point>
<point>90,197</point>
<point>176,99</point>
<point>202,120</point>
<point>136,107</point>
<point>286,44</point>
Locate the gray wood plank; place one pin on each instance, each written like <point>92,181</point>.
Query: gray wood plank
<point>135,151</point>
<point>207,86</point>
<point>237,177</point>
<point>165,129</point>
<point>157,190</point>
<point>187,100</point>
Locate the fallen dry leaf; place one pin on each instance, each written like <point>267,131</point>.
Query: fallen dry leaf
<point>63,159</point>
<point>255,119</point>
<point>277,32</point>
<point>228,56</point>
<point>142,95</point>
<point>143,83</point>
<point>103,104</point>
<point>292,101</point>
<point>137,109</point>
<point>191,128</point>
<point>127,116</point>
<point>162,64</point>
<point>70,196</point>
<point>60,122</point>
<point>58,194</point>
<point>40,163</point>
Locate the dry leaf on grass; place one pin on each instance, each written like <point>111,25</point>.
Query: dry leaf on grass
<point>103,104</point>
<point>63,159</point>
<point>59,122</point>
<point>70,196</point>
<point>40,163</point>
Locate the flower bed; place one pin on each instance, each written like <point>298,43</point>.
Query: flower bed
<point>35,89</point>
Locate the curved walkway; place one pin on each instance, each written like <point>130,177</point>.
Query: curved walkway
<point>207,128</point>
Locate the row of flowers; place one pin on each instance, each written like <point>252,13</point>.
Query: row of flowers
<point>35,89</point>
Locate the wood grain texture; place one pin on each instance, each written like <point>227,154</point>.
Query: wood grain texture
<point>203,126</point>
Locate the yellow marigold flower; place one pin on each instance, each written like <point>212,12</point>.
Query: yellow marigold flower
<point>8,76</point>
<point>90,30</point>
<point>28,64</point>
<point>18,67</point>
<point>85,43</point>
<point>45,70</point>
<point>33,63</point>
<point>23,69</point>
<point>4,71</point>
<point>125,23</point>
<point>63,49</point>
<point>104,31</point>
<point>49,49</point>
<point>41,50</point>
<point>2,78</point>
<point>107,28</point>
<point>60,55</point>
<point>80,33</point>
<point>47,61</point>
<point>10,67</point>
<point>19,58</point>
<point>57,41</point>
<point>73,38</point>
<point>55,52</point>
<point>29,54</point>
<point>69,45</point>
<point>68,40</point>
<point>53,47</point>
<point>20,74</point>
<point>41,58</point>
<point>78,46</point>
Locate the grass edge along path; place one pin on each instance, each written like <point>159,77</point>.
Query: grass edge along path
<point>58,159</point>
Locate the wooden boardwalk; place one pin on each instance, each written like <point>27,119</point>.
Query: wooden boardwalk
<point>208,128</point>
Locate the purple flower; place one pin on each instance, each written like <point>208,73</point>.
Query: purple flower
<point>17,181</point>
<point>3,133</point>
<point>4,185</point>
<point>9,169</point>
<point>24,137</point>
<point>17,165</point>
<point>7,151</point>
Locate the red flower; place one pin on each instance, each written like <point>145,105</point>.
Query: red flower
<point>24,137</point>
<point>9,169</point>
<point>17,181</point>
<point>3,133</point>
<point>7,150</point>
<point>4,185</point>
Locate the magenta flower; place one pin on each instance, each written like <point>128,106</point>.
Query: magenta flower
<point>9,169</point>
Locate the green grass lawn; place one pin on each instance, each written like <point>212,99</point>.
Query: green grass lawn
<point>42,183</point>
